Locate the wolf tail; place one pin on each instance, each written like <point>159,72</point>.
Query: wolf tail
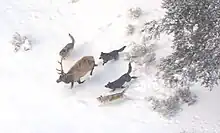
<point>73,40</point>
<point>121,49</point>
<point>129,68</point>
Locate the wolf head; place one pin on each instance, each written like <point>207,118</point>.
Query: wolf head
<point>99,98</point>
<point>101,55</point>
<point>109,85</point>
<point>63,53</point>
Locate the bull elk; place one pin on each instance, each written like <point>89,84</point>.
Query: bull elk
<point>78,70</point>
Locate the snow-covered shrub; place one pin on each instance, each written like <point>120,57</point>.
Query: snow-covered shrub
<point>169,107</point>
<point>141,54</point>
<point>130,29</point>
<point>151,30</point>
<point>134,12</point>
<point>150,48</point>
<point>195,26</point>
<point>166,107</point>
<point>74,1</point>
<point>149,58</point>
<point>186,96</point>
<point>184,131</point>
<point>138,50</point>
<point>19,42</point>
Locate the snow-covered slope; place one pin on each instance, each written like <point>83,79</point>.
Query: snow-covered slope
<point>32,102</point>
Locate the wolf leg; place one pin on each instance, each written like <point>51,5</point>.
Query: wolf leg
<point>93,69</point>
<point>122,87</point>
<point>112,90</point>
<point>104,62</point>
<point>116,57</point>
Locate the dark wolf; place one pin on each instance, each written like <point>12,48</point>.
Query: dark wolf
<point>111,55</point>
<point>120,81</point>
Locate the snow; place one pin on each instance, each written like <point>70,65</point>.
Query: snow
<point>32,102</point>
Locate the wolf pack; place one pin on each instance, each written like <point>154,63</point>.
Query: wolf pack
<point>87,64</point>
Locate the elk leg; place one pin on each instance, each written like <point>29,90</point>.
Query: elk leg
<point>93,69</point>
<point>80,82</point>
<point>72,83</point>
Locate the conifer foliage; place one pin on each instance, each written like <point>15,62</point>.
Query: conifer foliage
<point>195,26</point>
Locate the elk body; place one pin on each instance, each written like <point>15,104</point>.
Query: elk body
<point>78,70</point>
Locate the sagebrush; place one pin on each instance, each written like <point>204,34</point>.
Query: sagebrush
<point>169,107</point>
<point>140,53</point>
<point>19,42</point>
<point>134,12</point>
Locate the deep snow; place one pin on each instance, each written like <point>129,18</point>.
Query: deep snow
<point>32,102</point>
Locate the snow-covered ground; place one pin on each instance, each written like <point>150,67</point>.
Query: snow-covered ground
<point>32,102</point>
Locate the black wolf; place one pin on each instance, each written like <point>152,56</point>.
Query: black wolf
<point>120,81</point>
<point>111,55</point>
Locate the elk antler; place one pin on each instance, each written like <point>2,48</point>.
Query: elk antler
<point>60,71</point>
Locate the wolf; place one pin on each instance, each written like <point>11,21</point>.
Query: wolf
<point>68,48</point>
<point>112,97</point>
<point>121,80</point>
<point>111,55</point>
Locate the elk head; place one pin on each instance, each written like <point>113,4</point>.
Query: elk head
<point>63,76</point>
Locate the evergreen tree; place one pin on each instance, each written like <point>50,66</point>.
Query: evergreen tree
<point>195,26</point>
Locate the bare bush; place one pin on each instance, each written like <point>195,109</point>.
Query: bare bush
<point>184,131</point>
<point>134,12</point>
<point>149,58</point>
<point>169,107</point>
<point>19,42</point>
<point>138,50</point>
<point>186,96</point>
<point>141,54</point>
<point>166,107</point>
<point>73,1</point>
<point>130,29</point>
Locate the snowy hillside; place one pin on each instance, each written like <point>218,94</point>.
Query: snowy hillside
<point>32,102</point>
